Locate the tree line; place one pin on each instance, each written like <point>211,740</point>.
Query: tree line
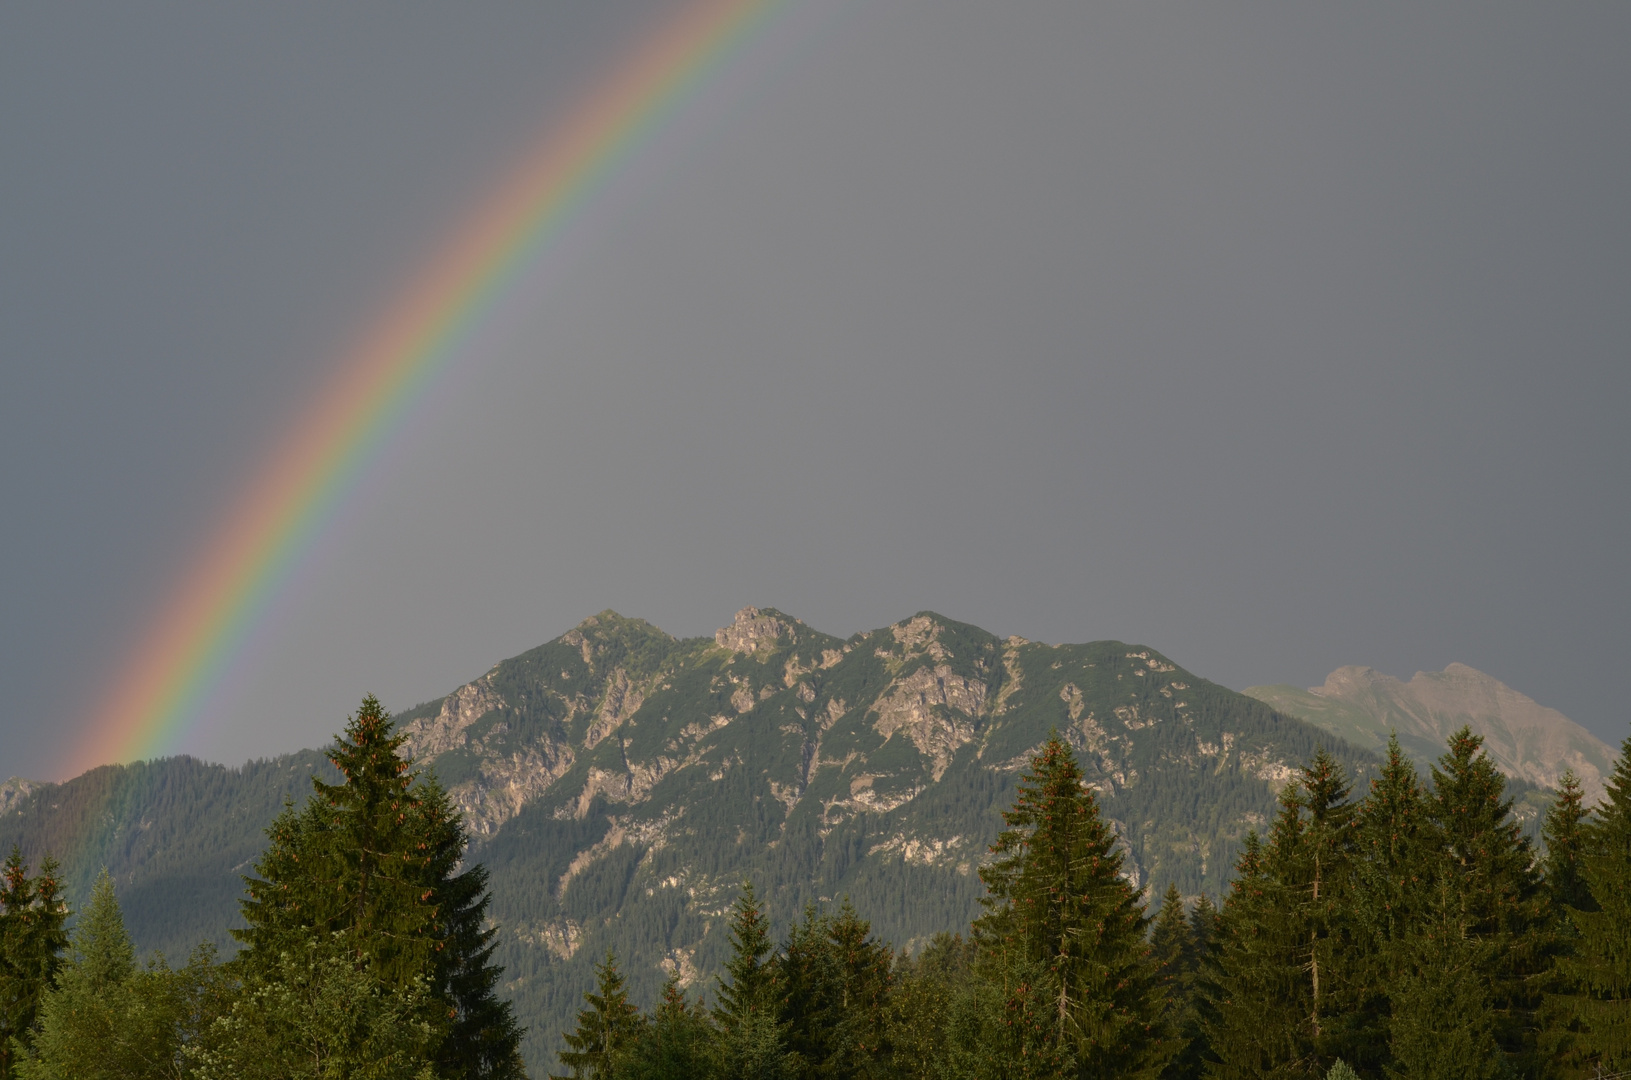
<point>1411,932</point>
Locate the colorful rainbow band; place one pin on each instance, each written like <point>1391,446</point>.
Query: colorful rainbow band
<point>183,656</point>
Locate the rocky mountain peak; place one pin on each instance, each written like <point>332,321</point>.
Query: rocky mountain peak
<point>1523,738</point>
<point>753,627</point>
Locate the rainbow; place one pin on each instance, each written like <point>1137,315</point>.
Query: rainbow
<point>184,654</point>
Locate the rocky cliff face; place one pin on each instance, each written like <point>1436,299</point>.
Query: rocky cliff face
<point>1524,738</point>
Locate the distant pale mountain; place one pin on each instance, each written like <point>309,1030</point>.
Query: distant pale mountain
<point>620,784</point>
<point>1524,738</point>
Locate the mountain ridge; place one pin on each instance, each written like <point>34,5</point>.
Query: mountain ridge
<point>620,783</point>
<point>1525,739</point>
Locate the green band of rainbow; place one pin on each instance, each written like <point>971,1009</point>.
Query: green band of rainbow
<point>183,654</point>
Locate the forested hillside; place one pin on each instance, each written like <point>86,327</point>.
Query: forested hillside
<point>620,784</point>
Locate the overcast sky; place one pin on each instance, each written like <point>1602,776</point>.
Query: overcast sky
<point>1275,336</point>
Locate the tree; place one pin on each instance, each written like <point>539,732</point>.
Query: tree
<point>749,985</point>
<point>1564,833</point>
<point>316,1015</point>
<point>1600,967</point>
<point>834,981</point>
<point>371,866</point>
<point>1488,867</point>
<point>752,1034</point>
<point>923,996</point>
<point>1442,1023</point>
<point>1286,973</point>
<point>1067,932</point>
<point>608,1027</point>
<point>676,1045</point>
<point>1398,857</point>
<point>31,943</point>
<point>107,1020</point>
<point>1177,956</point>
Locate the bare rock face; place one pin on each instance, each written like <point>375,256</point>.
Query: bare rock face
<point>750,628</point>
<point>936,709</point>
<point>14,791</point>
<point>433,736</point>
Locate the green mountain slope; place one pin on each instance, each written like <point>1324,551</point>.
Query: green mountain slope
<point>620,784</point>
<point>1525,739</point>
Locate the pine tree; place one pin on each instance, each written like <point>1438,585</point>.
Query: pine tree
<point>865,982</point>
<point>752,1034</point>
<point>811,993</point>
<point>1286,975</point>
<point>676,1045</point>
<point>750,984</point>
<point>1564,833</point>
<point>372,865</point>
<point>1489,868</point>
<point>1600,967</point>
<point>1398,848</point>
<point>921,1001</point>
<point>1177,959</point>
<point>1069,932</point>
<point>1442,1025</point>
<point>31,945</point>
<point>606,1030</point>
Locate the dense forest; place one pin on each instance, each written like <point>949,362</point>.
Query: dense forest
<point>1412,929</point>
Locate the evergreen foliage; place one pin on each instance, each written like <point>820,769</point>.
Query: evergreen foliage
<point>749,986</point>
<point>1490,886</point>
<point>32,914</point>
<point>1288,971</point>
<point>1068,932</point>
<point>678,1043</point>
<point>1564,835</point>
<point>372,864</point>
<point>606,1030</point>
<point>107,1019</point>
<point>315,1014</point>
<point>1599,970</point>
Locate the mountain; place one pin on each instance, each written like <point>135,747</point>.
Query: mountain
<point>620,784</point>
<point>1524,738</point>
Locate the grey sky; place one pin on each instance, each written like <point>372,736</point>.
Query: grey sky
<point>1277,337</point>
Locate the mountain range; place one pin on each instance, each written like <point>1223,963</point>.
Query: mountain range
<point>620,784</point>
<point>1523,738</point>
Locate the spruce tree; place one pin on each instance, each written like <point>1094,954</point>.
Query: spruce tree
<point>606,1030</point>
<point>749,987</point>
<point>1490,869</point>
<point>31,943</point>
<point>752,1034</point>
<point>1287,973</point>
<point>865,983</point>
<point>676,1045</point>
<point>1395,871</point>
<point>1069,932</point>
<point>811,991</point>
<point>372,865</point>
<point>1173,947</point>
<point>1600,967</point>
<point>1255,1021</point>
<point>1564,833</point>
<point>1442,1024</point>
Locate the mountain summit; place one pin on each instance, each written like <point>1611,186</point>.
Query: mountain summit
<point>1524,738</point>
